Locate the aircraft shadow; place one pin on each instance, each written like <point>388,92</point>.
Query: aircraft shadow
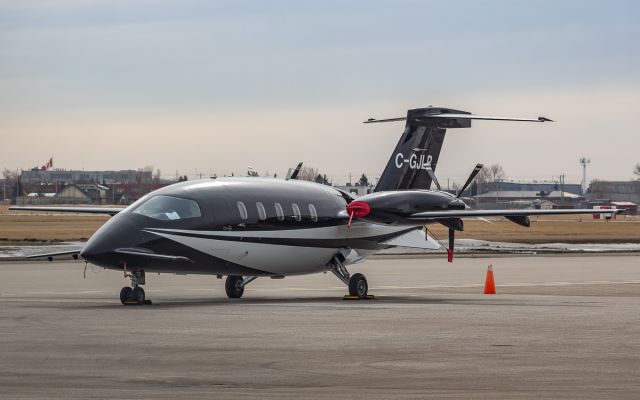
<point>380,301</point>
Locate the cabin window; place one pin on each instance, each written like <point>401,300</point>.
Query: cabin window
<point>168,208</point>
<point>243,210</point>
<point>262,213</point>
<point>296,212</point>
<point>313,213</point>
<point>279,211</point>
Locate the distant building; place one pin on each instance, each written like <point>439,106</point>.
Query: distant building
<point>608,191</point>
<point>76,176</point>
<point>90,193</point>
<point>86,187</point>
<point>528,199</point>
<point>528,186</point>
<point>629,207</point>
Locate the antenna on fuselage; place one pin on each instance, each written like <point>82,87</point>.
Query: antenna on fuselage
<point>294,174</point>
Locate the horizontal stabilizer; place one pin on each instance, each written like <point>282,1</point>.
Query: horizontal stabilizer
<point>460,116</point>
<point>84,210</point>
<point>417,239</point>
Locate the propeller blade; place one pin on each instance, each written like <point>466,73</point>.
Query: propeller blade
<point>433,176</point>
<point>452,235</point>
<point>470,179</point>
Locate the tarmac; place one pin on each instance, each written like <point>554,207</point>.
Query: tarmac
<point>559,327</point>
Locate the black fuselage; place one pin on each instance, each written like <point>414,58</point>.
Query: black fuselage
<point>242,226</point>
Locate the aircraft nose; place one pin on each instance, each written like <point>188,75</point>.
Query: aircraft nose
<point>116,233</point>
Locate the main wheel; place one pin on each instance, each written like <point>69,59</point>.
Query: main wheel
<point>358,285</point>
<point>126,294</point>
<point>138,295</point>
<point>233,286</point>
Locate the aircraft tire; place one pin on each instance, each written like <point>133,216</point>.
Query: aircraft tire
<point>125,294</point>
<point>233,286</point>
<point>138,295</point>
<point>358,285</point>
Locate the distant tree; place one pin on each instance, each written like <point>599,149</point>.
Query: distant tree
<point>497,172</point>
<point>10,178</point>
<point>490,174</point>
<point>156,177</point>
<point>322,179</point>
<point>636,170</point>
<point>363,181</point>
<point>484,176</point>
<point>307,174</point>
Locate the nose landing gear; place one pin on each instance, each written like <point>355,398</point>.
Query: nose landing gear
<point>234,285</point>
<point>134,295</point>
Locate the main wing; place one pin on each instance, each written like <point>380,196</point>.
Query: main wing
<point>84,210</point>
<point>504,213</point>
<point>517,216</point>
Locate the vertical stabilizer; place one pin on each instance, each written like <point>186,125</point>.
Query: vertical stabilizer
<point>418,148</point>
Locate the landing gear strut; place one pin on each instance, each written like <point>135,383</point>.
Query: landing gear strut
<point>234,285</point>
<point>134,294</point>
<point>357,283</point>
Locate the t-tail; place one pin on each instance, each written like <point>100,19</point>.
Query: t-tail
<point>414,160</point>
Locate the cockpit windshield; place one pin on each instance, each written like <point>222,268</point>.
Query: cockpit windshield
<point>168,208</point>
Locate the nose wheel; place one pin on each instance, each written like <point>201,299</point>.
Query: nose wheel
<point>234,285</point>
<point>134,295</point>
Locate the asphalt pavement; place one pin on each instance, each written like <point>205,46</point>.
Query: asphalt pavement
<point>559,327</point>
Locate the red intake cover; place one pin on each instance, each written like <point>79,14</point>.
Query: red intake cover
<point>358,209</point>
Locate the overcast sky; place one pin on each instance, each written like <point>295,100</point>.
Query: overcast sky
<point>215,86</point>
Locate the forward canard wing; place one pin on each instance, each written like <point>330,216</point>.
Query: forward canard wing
<point>82,210</point>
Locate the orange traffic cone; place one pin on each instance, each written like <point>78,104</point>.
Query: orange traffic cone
<point>489,284</point>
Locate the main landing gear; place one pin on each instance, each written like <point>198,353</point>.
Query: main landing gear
<point>134,295</point>
<point>357,283</point>
<point>234,285</point>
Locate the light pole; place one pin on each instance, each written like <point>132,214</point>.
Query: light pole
<point>584,162</point>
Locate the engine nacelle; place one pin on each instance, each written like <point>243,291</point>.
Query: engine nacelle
<point>395,207</point>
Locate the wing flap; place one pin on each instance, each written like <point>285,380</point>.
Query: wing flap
<point>416,239</point>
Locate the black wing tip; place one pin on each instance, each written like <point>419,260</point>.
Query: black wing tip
<point>544,119</point>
